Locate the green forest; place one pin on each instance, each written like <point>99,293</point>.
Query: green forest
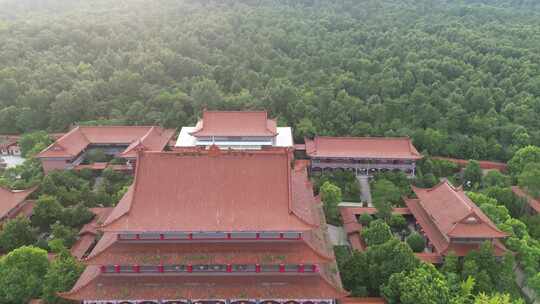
<point>462,78</point>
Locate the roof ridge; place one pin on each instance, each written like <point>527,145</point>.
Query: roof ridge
<point>58,142</point>
<point>83,135</point>
<point>442,182</point>
<point>289,185</point>
<point>93,255</point>
<point>136,179</point>
<point>236,111</point>
<point>190,151</point>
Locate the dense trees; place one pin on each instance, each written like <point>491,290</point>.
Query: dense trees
<point>33,143</point>
<point>384,195</point>
<point>364,273</point>
<point>529,179</point>
<point>461,78</point>
<point>21,274</point>
<point>331,197</point>
<point>472,175</point>
<point>416,242</point>
<point>524,157</point>
<point>345,180</point>
<point>16,233</point>
<point>61,275</point>
<point>376,233</point>
<point>421,285</point>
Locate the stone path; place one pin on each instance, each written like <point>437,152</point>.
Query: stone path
<point>338,237</point>
<point>365,190</point>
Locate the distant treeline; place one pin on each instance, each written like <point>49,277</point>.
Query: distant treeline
<point>462,78</point>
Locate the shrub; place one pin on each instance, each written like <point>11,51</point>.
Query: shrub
<point>96,155</point>
<point>377,233</point>
<point>331,197</point>
<point>16,233</point>
<point>66,234</point>
<point>46,212</point>
<point>342,254</point>
<point>365,219</point>
<point>21,274</point>
<point>61,275</point>
<point>397,222</point>
<point>416,242</point>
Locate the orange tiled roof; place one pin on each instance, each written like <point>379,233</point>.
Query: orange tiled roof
<point>9,141</point>
<point>75,141</point>
<point>352,228</point>
<point>199,191</point>
<point>94,285</point>
<point>353,211</point>
<point>445,212</point>
<point>88,233</point>
<point>154,140</point>
<point>100,215</point>
<point>81,246</point>
<point>362,147</point>
<point>214,190</point>
<point>432,258</point>
<point>484,164</point>
<point>124,253</point>
<point>235,123</point>
<point>93,166</point>
<point>10,199</point>
<point>26,209</point>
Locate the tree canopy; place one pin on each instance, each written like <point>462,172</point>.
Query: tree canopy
<point>459,77</point>
<point>21,274</point>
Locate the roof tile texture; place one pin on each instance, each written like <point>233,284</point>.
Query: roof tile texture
<point>123,253</point>
<point>10,199</point>
<point>93,285</point>
<point>76,140</point>
<point>236,123</point>
<point>445,212</point>
<point>362,147</point>
<point>233,191</point>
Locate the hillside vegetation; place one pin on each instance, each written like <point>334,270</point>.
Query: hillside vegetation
<point>460,77</point>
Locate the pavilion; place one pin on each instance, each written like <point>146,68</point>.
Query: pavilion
<point>364,156</point>
<point>451,222</point>
<point>210,226</point>
<point>68,151</point>
<point>246,130</point>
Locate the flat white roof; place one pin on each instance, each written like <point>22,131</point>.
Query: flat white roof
<point>283,139</point>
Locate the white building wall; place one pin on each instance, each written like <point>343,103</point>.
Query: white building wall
<point>283,139</point>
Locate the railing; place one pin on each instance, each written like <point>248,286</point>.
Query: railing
<point>363,166</point>
<point>215,301</point>
<point>209,236</point>
<point>210,268</point>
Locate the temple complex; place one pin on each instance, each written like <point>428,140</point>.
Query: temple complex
<point>235,130</point>
<point>209,226</point>
<point>451,222</point>
<point>364,156</point>
<point>69,151</point>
